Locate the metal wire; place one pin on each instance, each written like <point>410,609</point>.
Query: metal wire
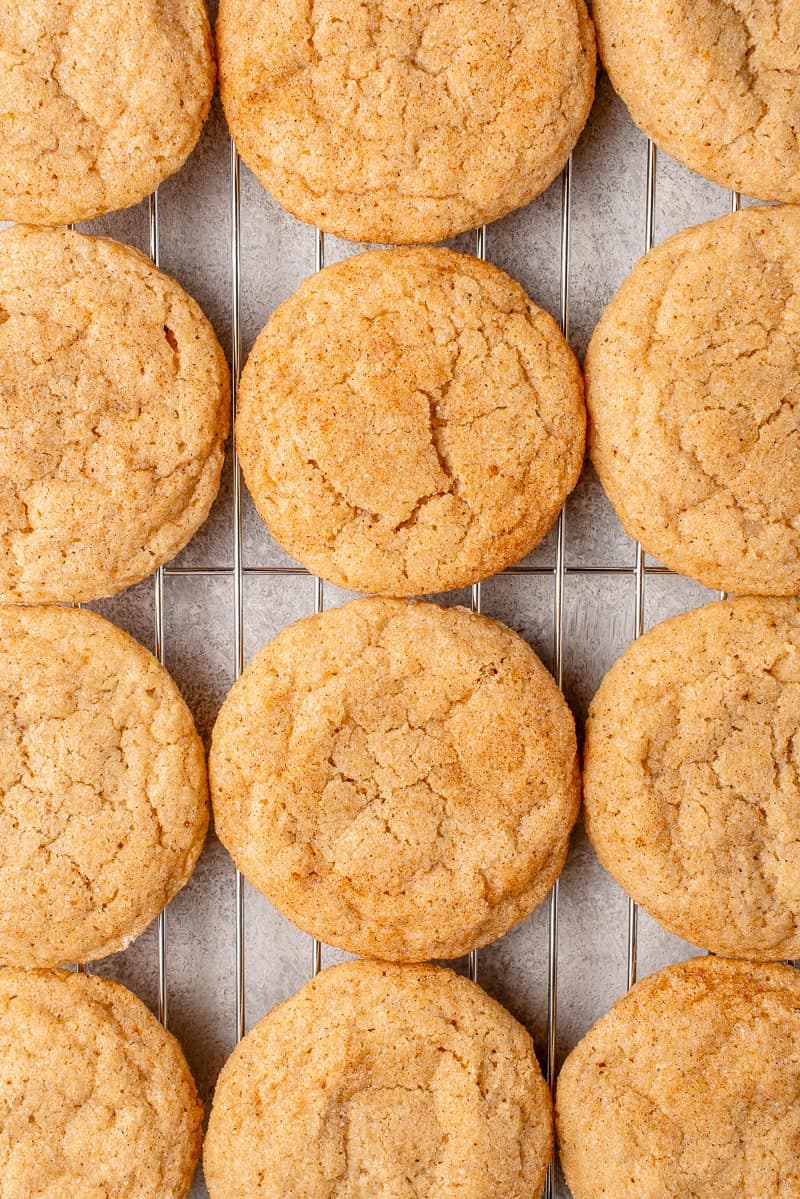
<point>559,575</point>
<point>319,593</point>
<point>159,647</point>
<point>476,596</point>
<point>211,571</point>
<point>238,646</point>
<point>640,570</point>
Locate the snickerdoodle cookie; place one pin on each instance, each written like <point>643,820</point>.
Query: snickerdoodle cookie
<point>692,775</point>
<point>689,1086</point>
<point>99,102</point>
<point>399,779</point>
<point>97,1098</point>
<point>693,387</point>
<point>381,1080</point>
<point>716,83</point>
<point>410,421</point>
<point>114,396</point>
<point>405,120</point>
<point>103,793</point>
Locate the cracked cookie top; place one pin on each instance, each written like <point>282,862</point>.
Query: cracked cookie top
<point>114,398</point>
<point>99,102</point>
<point>103,792</point>
<point>381,1080</point>
<point>689,1086</point>
<point>405,120</point>
<point>97,1098</point>
<point>716,83</point>
<point>409,421</point>
<point>692,776</point>
<point>693,388</point>
<point>399,779</point>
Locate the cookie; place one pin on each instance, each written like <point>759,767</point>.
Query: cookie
<point>693,388</point>
<point>399,779</point>
<point>689,1086</point>
<point>115,394</point>
<point>381,1080</point>
<point>692,776</point>
<point>409,421</point>
<point>99,102</point>
<point>97,1098</point>
<point>103,793</point>
<point>401,121</point>
<point>715,84</point>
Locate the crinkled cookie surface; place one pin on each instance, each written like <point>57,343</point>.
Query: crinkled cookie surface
<point>103,792</point>
<point>409,421</point>
<point>97,1099</point>
<point>381,1080</point>
<point>100,101</point>
<point>690,1086</point>
<point>405,120</point>
<point>114,393</point>
<point>693,388</point>
<point>692,775</point>
<point>716,83</point>
<point>398,778</point>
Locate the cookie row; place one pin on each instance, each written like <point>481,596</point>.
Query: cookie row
<point>409,421</point>
<point>411,1081</point>
<point>401,1080</point>
<point>401,780</point>
<point>101,102</point>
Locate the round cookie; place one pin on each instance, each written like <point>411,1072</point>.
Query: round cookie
<point>716,84</point>
<point>97,1097</point>
<point>689,1086</point>
<point>115,395</point>
<point>103,793</point>
<point>405,120</point>
<point>692,776</point>
<point>409,421</point>
<point>381,1080</point>
<point>399,779</point>
<point>693,388</point>
<point>99,102</point>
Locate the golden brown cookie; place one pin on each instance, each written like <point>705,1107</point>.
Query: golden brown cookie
<point>99,102</point>
<point>381,1080</point>
<point>399,779</point>
<point>97,1099</point>
<point>715,83</point>
<point>114,393</point>
<point>409,421</point>
<point>693,387</point>
<point>103,795</point>
<point>405,120</point>
<point>692,776</point>
<point>689,1086</point>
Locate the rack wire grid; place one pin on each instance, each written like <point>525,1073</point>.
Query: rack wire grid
<point>237,572</point>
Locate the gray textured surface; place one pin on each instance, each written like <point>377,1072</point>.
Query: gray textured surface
<point>277,252</point>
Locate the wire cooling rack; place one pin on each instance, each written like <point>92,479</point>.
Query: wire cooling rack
<point>638,572</point>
